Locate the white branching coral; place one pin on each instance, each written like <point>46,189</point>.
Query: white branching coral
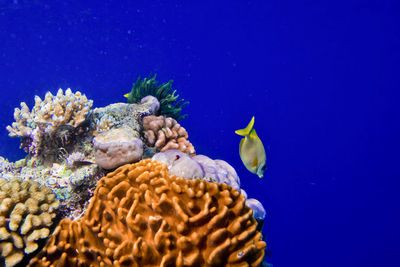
<point>48,114</point>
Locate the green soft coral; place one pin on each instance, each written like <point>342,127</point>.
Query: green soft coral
<point>170,106</point>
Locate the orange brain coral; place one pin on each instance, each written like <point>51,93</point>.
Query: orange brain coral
<point>141,215</point>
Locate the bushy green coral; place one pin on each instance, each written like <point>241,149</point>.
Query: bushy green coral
<point>170,106</point>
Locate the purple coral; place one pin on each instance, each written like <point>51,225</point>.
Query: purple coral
<point>180,164</point>
<point>257,207</point>
<point>152,102</point>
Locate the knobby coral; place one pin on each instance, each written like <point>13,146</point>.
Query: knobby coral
<point>141,215</point>
<point>166,133</point>
<point>27,211</point>
<point>46,116</point>
<point>170,106</point>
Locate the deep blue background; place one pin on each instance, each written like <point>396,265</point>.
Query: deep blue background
<point>322,80</point>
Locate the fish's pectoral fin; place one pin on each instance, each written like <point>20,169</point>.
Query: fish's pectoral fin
<point>247,130</point>
<point>255,163</point>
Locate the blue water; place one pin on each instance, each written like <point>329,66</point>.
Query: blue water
<point>321,78</point>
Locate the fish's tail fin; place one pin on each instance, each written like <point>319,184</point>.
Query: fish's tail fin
<point>246,131</point>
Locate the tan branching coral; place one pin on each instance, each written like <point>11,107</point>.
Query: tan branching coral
<point>141,215</point>
<point>27,211</point>
<point>48,114</point>
<point>166,133</point>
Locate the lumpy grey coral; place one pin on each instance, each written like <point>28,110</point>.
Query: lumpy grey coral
<point>119,115</point>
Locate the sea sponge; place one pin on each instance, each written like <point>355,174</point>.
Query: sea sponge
<point>117,147</point>
<point>166,133</point>
<point>27,211</point>
<point>141,215</point>
<point>48,114</point>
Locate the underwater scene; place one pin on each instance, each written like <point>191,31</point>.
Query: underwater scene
<point>211,133</point>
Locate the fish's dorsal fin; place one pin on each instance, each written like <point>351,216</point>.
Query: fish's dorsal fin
<point>253,134</point>
<point>255,163</point>
<point>246,131</point>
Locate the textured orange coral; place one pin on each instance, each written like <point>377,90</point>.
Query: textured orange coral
<point>141,215</point>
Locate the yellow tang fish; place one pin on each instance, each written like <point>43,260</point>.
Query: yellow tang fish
<point>251,150</point>
<point>126,95</point>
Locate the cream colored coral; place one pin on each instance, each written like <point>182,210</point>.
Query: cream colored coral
<point>27,211</point>
<point>48,114</point>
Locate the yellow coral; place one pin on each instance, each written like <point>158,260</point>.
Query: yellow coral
<point>23,221</point>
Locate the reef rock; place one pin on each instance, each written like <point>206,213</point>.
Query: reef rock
<point>141,215</point>
<point>120,115</point>
<point>117,147</point>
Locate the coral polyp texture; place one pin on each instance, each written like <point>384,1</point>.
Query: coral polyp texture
<point>166,133</point>
<point>169,105</point>
<point>27,211</point>
<point>46,116</point>
<point>141,215</point>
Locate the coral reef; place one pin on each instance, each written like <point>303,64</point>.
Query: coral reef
<point>117,147</point>
<point>203,167</point>
<point>5,165</point>
<point>119,115</point>
<point>189,211</point>
<point>199,166</point>
<point>67,110</point>
<point>170,106</point>
<point>166,133</point>
<point>141,215</point>
<point>27,211</point>
<point>71,181</point>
